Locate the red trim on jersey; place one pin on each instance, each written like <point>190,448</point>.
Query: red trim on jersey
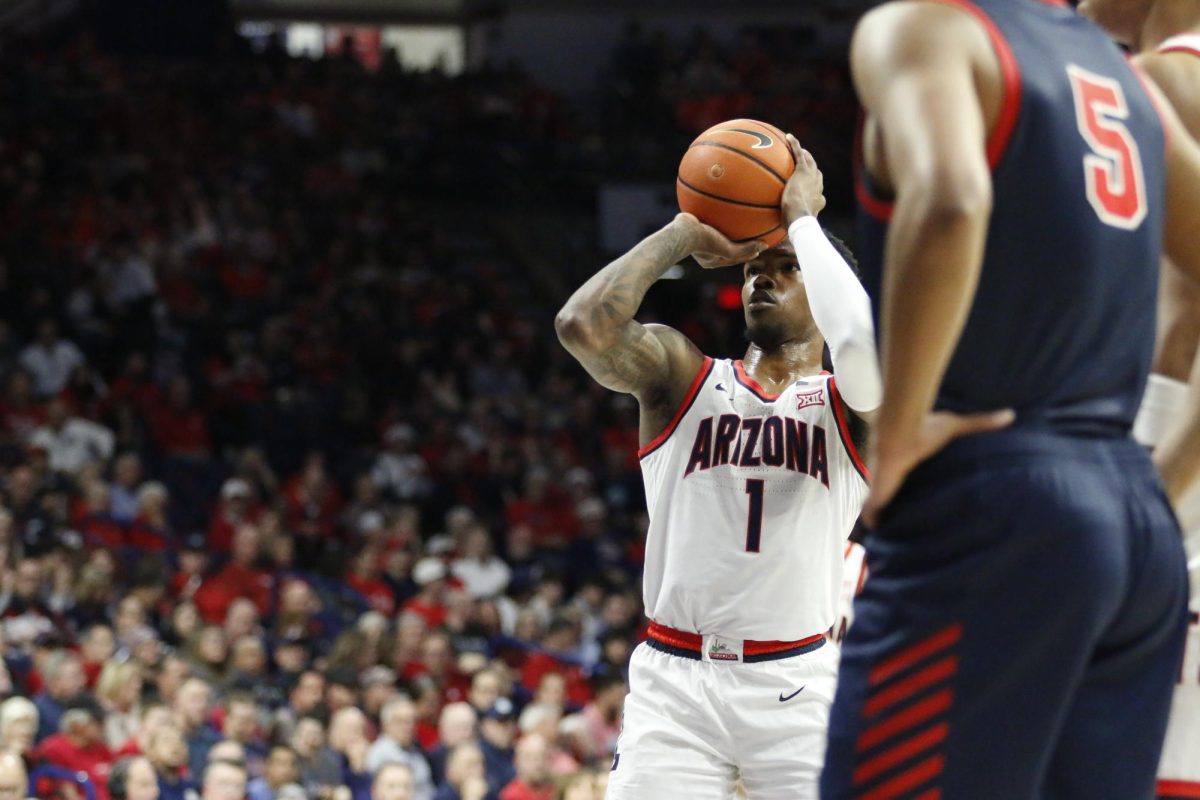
<point>1059,3</point>
<point>843,424</point>
<point>1183,48</point>
<point>908,656</point>
<point>874,205</point>
<point>1010,107</point>
<point>1179,789</point>
<point>932,794</point>
<point>694,641</point>
<point>739,372</point>
<point>688,399</point>
<point>1152,93</point>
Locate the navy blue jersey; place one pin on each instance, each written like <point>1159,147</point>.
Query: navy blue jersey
<point>1062,326</point>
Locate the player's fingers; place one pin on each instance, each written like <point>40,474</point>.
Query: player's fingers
<point>797,150</point>
<point>968,424</point>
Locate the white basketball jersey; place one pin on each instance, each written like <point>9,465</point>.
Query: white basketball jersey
<point>751,498</point>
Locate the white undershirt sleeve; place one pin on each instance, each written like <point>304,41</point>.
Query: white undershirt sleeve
<point>842,311</point>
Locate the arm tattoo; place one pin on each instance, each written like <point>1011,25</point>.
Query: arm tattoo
<point>625,356</point>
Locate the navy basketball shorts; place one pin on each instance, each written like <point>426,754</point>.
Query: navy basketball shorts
<point>1020,631</point>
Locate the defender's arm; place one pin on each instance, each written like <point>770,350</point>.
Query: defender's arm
<point>914,67</point>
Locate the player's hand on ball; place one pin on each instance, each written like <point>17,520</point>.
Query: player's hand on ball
<point>710,247</point>
<point>804,194</point>
<point>891,458</point>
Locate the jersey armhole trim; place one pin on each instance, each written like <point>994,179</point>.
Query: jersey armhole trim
<point>688,400</point>
<point>839,414</point>
<point>1150,89</point>
<point>1010,71</point>
<point>870,200</point>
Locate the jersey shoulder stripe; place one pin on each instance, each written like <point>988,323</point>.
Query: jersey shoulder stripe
<point>688,399</point>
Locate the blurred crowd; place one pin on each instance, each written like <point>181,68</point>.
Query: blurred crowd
<point>299,498</point>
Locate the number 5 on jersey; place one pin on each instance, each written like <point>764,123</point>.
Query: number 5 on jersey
<point>1113,169</point>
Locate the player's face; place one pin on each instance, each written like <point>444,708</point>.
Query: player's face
<point>1123,19</point>
<point>773,298</point>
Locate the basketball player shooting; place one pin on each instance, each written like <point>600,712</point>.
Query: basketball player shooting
<point>753,482</point>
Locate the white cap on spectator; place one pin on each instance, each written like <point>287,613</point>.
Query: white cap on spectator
<point>235,487</point>
<point>378,674</point>
<point>428,570</point>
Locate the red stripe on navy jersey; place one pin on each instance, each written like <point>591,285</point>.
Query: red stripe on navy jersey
<point>894,756</point>
<point>908,780</point>
<point>688,399</point>
<point>910,717</point>
<point>910,655</point>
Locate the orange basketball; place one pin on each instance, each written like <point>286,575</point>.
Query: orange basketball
<point>732,178</point>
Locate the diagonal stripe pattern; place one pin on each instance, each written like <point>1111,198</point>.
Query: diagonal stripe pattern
<point>909,698</point>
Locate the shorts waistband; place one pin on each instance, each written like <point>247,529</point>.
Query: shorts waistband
<point>691,645</point>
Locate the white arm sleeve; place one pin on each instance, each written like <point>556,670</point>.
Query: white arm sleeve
<point>842,311</point>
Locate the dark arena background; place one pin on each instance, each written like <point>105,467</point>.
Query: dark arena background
<point>294,473</point>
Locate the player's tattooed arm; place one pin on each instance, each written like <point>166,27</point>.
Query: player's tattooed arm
<point>655,363</point>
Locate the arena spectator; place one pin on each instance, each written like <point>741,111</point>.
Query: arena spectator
<point>497,731</point>
<point>465,778</point>
<point>430,576</point>
<point>70,442</point>
<point>18,726</point>
<point>393,781</point>
<point>79,746</point>
<point>282,768</point>
<point>320,767</point>
<point>396,744</point>
<point>133,779</point>
<point>456,726</point>
<point>348,739</point>
<point>481,572</point>
<point>223,781</point>
<point>64,678</point>
<point>14,780</point>
<point>151,717</point>
<point>532,781</point>
<point>241,725</point>
<point>191,710</point>
<point>167,750</point>
<point>119,691</point>
<point>50,359</point>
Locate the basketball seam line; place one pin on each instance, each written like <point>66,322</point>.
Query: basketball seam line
<point>725,199</point>
<point>757,235</point>
<point>760,162</point>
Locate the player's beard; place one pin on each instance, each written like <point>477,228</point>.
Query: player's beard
<point>765,335</point>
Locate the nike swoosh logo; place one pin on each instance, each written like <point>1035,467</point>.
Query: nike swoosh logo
<point>783,699</point>
<point>764,141</point>
<point>720,387</point>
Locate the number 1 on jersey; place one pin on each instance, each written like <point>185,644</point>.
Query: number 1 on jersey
<point>754,488</point>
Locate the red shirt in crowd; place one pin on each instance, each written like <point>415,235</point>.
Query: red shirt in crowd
<point>96,760</point>
<point>376,592</point>
<point>216,594</point>
<point>520,790</point>
<point>538,664</point>
<point>433,614</point>
<point>179,431</point>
